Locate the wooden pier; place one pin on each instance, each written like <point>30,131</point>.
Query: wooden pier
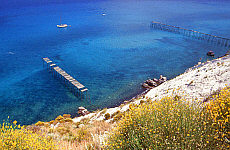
<point>191,33</point>
<point>75,87</point>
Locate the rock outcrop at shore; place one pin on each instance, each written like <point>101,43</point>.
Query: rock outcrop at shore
<point>151,83</point>
<point>197,82</point>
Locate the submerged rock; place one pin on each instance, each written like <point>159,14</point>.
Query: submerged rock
<point>211,53</point>
<point>145,85</point>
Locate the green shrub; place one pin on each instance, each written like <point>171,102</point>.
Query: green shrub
<point>118,116</point>
<point>142,101</point>
<point>107,116</point>
<point>114,114</point>
<point>219,114</point>
<point>40,123</point>
<point>165,124</point>
<point>68,120</point>
<point>63,130</point>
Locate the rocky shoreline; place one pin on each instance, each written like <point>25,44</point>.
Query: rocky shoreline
<point>196,83</point>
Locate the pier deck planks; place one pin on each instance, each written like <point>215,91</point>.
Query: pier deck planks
<point>65,75</point>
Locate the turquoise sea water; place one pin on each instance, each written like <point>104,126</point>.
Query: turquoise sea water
<point>110,54</point>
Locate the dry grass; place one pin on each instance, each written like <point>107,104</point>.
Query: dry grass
<point>87,137</point>
<point>74,136</point>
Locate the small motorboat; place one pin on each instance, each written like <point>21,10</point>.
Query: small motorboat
<point>62,25</point>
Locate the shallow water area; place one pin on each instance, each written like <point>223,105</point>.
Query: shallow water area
<point>111,54</point>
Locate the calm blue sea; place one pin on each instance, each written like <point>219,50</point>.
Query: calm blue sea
<point>110,54</point>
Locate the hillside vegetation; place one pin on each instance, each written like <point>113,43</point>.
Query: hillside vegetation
<point>169,123</point>
<point>174,123</point>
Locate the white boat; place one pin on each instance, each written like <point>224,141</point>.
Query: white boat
<point>62,25</point>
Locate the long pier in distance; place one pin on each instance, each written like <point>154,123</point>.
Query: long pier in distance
<point>192,33</point>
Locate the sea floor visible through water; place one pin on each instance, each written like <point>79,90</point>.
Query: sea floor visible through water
<point>110,48</point>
